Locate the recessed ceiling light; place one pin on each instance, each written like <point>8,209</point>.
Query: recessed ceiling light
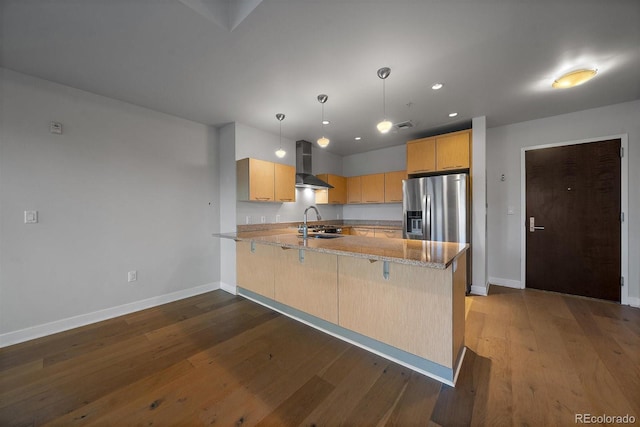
<point>574,78</point>
<point>437,86</point>
<point>453,114</point>
<point>358,138</point>
<point>325,122</point>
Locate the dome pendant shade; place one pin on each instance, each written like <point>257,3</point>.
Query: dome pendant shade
<point>323,142</point>
<point>574,78</point>
<point>384,126</point>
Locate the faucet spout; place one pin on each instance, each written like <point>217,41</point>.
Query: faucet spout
<point>305,229</point>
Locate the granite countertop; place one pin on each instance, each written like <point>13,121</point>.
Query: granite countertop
<point>422,253</point>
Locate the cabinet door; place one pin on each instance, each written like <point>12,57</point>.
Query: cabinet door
<point>388,233</point>
<point>364,232</point>
<point>309,284</point>
<point>354,190</point>
<point>255,269</point>
<point>337,194</point>
<point>421,155</point>
<point>285,183</point>
<point>333,196</point>
<point>373,188</point>
<point>393,186</point>
<point>453,151</point>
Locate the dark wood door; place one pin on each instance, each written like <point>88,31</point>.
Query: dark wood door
<point>573,192</point>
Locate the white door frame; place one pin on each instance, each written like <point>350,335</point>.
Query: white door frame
<point>624,201</point>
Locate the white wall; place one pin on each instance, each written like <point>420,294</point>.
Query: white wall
<point>227,168</point>
<point>123,188</point>
<point>250,142</point>
<point>504,145</point>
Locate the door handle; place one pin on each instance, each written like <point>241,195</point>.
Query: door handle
<point>532,225</point>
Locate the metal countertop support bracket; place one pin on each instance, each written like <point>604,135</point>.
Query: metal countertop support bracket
<point>301,255</point>
<point>385,270</point>
<point>253,246</point>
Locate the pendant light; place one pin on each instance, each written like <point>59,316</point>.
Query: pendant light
<point>385,125</point>
<point>280,152</point>
<point>323,141</point>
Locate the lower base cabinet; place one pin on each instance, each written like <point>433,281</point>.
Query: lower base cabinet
<point>307,281</point>
<point>410,310</point>
<point>255,267</point>
<point>416,309</point>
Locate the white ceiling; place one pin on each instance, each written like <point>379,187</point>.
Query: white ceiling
<point>496,58</point>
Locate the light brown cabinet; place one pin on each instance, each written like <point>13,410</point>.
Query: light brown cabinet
<point>393,186</point>
<point>392,233</point>
<point>307,281</point>
<point>263,181</point>
<point>439,153</point>
<point>333,196</point>
<point>364,232</point>
<point>255,268</point>
<point>284,182</point>
<point>452,151</point>
<point>421,155</point>
<point>354,189</point>
<point>372,187</point>
<point>384,233</point>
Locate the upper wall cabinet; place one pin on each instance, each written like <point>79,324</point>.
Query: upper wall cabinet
<point>285,183</point>
<point>372,188</point>
<point>421,155</point>
<point>333,196</point>
<point>354,189</point>
<point>263,181</point>
<point>393,186</point>
<point>439,153</point>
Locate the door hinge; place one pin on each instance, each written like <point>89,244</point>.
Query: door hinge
<point>621,216</point>
<point>621,280</point>
<point>621,152</point>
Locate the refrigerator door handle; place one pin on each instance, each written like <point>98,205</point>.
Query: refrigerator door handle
<point>427,223</point>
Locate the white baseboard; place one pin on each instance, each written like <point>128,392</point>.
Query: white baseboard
<point>507,283</point>
<point>54,327</point>
<point>228,288</point>
<point>633,302</point>
<point>480,290</point>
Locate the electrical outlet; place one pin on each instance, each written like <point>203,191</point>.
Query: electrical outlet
<point>247,219</point>
<point>263,219</point>
<point>132,276</point>
<point>277,218</point>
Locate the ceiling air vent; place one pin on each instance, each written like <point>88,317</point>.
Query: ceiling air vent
<point>404,125</point>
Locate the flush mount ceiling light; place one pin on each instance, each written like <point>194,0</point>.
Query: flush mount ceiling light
<point>322,141</point>
<point>280,152</point>
<point>437,86</point>
<point>385,125</point>
<point>453,114</point>
<point>574,78</point>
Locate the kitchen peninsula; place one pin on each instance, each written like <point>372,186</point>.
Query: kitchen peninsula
<point>402,299</point>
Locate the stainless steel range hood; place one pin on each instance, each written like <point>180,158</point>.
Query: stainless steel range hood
<point>304,177</point>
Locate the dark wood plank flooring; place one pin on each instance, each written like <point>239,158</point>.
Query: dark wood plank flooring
<point>534,358</point>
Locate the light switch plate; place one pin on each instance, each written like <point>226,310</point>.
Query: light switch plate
<point>30,217</point>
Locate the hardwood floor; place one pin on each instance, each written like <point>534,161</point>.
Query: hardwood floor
<point>534,358</point>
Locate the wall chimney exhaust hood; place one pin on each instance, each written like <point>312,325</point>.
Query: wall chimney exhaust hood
<point>304,177</point>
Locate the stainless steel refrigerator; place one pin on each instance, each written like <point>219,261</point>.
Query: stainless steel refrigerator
<point>437,208</point>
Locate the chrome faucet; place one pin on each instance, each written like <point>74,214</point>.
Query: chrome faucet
<point>305,228</point>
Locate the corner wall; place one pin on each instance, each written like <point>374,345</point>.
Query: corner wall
<point>123,188</point>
